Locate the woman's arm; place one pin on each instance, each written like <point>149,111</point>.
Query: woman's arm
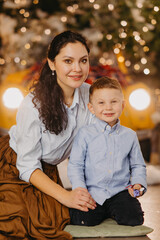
<point>78,198</point>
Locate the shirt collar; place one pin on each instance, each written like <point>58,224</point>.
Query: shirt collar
<point>103,126</point>
<point>78,99</point>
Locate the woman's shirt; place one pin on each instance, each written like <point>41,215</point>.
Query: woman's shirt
<point>32,143</point>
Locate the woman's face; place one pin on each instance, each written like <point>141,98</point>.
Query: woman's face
<point>71,66</point>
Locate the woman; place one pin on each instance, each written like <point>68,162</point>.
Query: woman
<point>34,205</point>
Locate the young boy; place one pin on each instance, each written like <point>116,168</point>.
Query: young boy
<point>106,160</point>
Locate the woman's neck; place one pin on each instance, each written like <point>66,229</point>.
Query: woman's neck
<point>68,97</point>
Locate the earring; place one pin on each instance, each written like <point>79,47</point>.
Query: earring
<point>52,73</point>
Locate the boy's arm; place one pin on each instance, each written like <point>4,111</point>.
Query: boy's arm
<point>76,165</point>
<point>137,165</point>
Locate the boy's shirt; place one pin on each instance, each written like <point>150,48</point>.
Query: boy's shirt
<point>106,160</point>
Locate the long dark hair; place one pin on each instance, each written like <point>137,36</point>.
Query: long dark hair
<point>48,95</point>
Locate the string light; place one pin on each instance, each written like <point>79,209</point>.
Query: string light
<point>64,19</point>
<point>23,62</point>
<point>96,6</point>
<point>118,45</point>
<point>146,71</point>
<point>136,67</point>
<point>153,21</point>
<point>2,61</point>
<point>137,38</point>
<point>110,7</point>
<point>139,5</point>
<point>135,33</point>
<point>16,59</point>
<point>109,62</point>
<point>145,29</point>
<point>109,36</point>
<point>116,50</point>
<point>127,63</point>
<point>22,11</point>
<point>70,9</point>
<point>35,1</point>
<point>142,42</point>
<point>123,35</point>
<point>102,60</point>
<point>146,49</point>
<point>26,14</point>
<point>27,46</point>
<point>123,23</point>
<point>121,59</point>
<point>23,29</point>
<point>47,31</point>
<point>156,9</point>
<point>91,1</point>
<point>143,60</point>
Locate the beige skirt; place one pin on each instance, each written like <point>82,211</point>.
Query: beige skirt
<point>25,212</point>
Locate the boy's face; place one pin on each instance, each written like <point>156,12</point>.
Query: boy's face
<point>107,104</point>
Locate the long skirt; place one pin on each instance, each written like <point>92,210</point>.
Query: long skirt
<point>25,212</point>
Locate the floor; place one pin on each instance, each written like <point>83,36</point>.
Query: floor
<point>151,207</point>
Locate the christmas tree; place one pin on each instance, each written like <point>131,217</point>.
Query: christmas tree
<point>122,32</point>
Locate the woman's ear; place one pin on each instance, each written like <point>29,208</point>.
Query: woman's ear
<point>51,64</point>
<point>90,107</point>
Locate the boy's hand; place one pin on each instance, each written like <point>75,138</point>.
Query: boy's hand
<point>136,190</point>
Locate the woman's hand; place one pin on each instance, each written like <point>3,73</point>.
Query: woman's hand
<point>78,198</point>
<point>81,199</point>
<point>135,187</point>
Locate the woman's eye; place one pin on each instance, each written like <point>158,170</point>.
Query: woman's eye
<point>100,102</point>
<point>114,101</point>
<point>84,60</point>
<point>68,61</point>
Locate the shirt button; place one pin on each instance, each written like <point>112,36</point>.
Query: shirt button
<point>110,153</point>
<point>110,134</point>
<point>109,171</point>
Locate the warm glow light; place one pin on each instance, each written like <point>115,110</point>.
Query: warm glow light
<point>12,98</point>
<point>110,7</point>
<point>139,99</point>
<point>64,19</point>
<point>123,23</point>
<point>109,36</point>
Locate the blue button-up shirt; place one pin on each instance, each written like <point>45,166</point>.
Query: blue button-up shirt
<point>32,144</point>
<point>106,160</point>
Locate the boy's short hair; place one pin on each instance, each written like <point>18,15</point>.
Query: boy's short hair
<point>104,82</point>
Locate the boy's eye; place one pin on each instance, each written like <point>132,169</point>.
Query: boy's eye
<point>100,102</point>
<point>114,101</point>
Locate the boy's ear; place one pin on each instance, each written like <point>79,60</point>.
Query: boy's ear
<point>51,64</point>
<point>90,107</point>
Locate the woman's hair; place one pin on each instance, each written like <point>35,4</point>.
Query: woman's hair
<point>48,95</point>
<point>104,82</point>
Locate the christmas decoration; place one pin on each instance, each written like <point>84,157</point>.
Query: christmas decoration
<point>113,27</point>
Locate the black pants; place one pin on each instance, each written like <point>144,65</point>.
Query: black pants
<point>123,208</point>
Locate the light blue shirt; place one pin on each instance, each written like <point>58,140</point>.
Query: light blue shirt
<point>32,144</point>
<point>106,160</point>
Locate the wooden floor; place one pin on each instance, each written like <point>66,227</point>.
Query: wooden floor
<point>151,207</point>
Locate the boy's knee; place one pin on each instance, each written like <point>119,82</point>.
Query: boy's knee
<point>131,220</point>
<point>81,218</point>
